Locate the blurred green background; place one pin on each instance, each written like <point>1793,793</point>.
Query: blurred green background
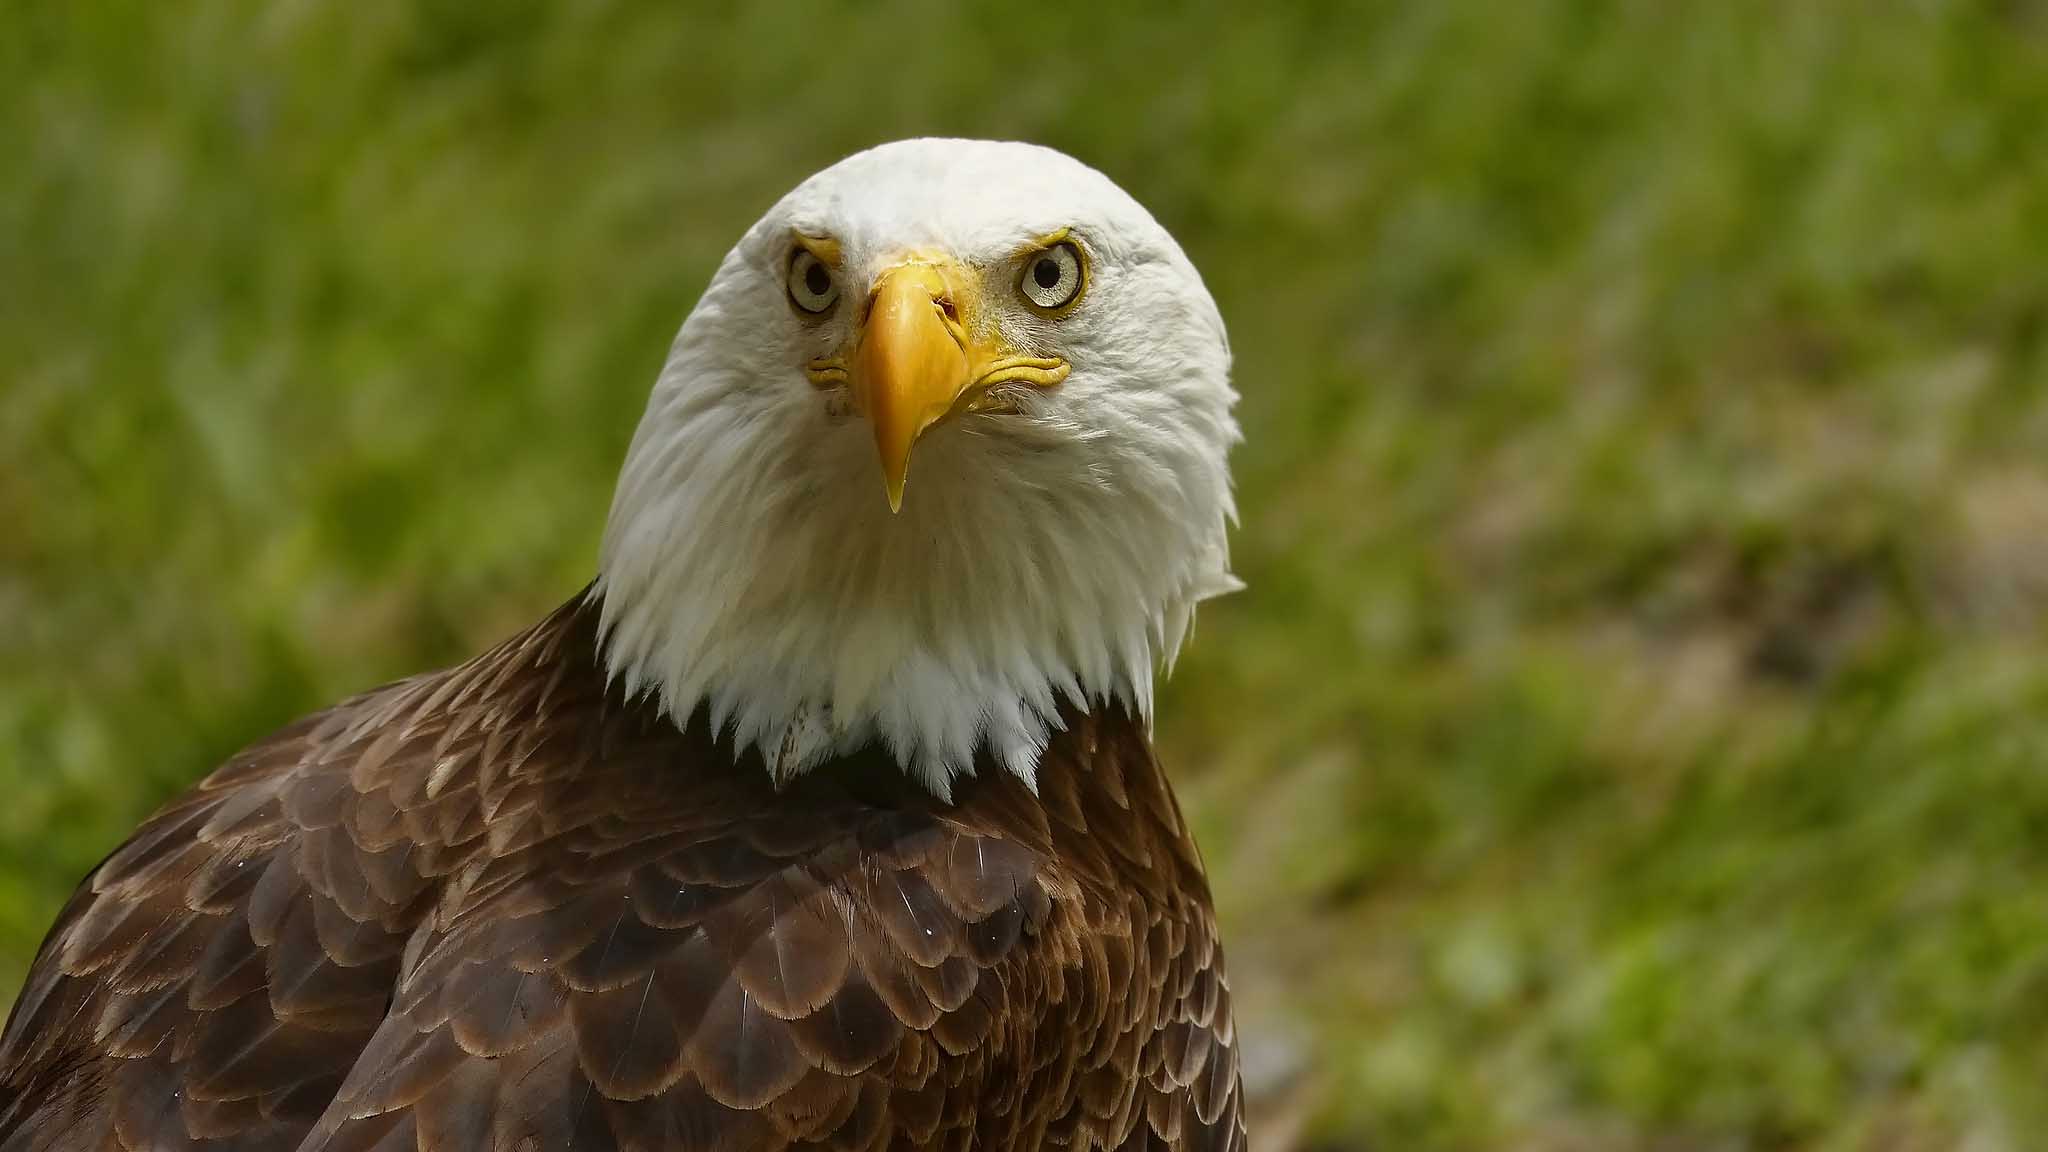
<point>1635,734</point>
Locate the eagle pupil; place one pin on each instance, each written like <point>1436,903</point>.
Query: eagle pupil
<point>1047,273</point>
<point>817,280</point>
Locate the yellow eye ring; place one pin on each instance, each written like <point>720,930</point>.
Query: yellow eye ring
<point>1054,276</point>
<point>812,287</point>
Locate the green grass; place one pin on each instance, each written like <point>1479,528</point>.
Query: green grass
<point>1635,734</point>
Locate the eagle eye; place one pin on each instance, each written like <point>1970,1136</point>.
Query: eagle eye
<point>811,286</point>
<point>1053,276</point>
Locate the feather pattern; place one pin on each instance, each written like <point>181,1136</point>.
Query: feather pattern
<point>505,906</point>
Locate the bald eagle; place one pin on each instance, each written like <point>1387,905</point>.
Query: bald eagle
<point>827,816</point>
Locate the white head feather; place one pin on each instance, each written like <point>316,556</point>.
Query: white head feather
<point>752,565</point>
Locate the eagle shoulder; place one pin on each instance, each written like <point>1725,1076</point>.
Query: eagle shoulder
<point>500,907</point>
<point>215,977</point>
<point>212,982</point>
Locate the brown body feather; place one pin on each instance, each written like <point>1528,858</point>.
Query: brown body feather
<point>500,907</point>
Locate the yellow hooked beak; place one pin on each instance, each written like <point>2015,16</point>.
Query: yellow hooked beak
<point>918,359</point>
<point>912,364</point>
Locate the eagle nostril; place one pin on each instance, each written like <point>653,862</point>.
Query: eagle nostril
<point>945,304</point>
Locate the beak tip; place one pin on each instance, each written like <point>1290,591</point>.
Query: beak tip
<point>895,453</point>
<point>892,486</point>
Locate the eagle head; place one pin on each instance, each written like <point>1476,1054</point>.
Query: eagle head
<point>942,448</point>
